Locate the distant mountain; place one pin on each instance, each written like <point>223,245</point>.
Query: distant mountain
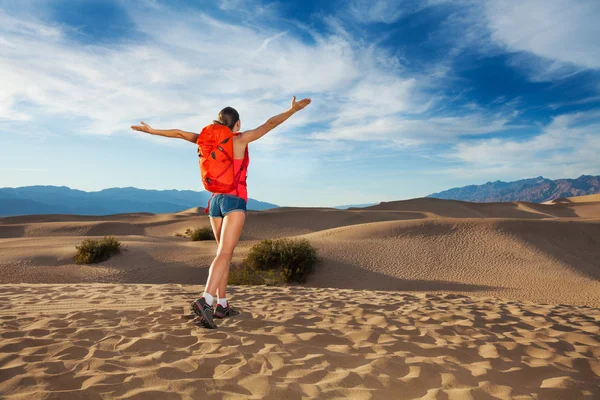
<point>355,206</point>
<point>534,190</point>
<point>63,200</point>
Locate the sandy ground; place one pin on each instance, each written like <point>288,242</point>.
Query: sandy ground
<point>94,341</point>
<point>425,298</point>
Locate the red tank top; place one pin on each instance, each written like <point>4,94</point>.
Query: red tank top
<point>242,175</point>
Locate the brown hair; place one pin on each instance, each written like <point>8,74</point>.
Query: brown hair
<point>228,117</point>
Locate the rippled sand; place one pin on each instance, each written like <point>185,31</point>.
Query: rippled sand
<point>98,341</point>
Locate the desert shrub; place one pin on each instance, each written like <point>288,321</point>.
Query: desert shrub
<point>245,275</point>
<point>94,251</point>
<point>203,233</point>
<point>293,259</point>
<point>272,278</point>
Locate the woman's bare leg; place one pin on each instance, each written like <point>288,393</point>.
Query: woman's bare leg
<point>222,288</point>
<point>217,225</point>
<point>231,230</point>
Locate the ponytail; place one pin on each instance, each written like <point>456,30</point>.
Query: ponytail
<point>228,117</point>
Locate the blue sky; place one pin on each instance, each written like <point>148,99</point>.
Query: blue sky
<point>409,97</point>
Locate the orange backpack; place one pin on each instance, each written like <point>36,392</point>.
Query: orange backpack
<point>215,150</point>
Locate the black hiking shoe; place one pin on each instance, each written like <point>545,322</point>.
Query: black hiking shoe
<point>205,312</point>
<point>222,312</point>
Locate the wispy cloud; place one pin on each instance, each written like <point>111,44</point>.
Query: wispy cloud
<point>22,169</point>
<point>384,11</point>
<point>568,146</point>
<point>370,99</point>
<point>250,8</point>
<point>413,132</point>
<point>186,72</point>
<point>547,39</point>
<point>559,30</point>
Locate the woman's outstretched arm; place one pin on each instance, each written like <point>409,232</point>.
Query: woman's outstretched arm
<point>255,134</point>
<point>172,133</point>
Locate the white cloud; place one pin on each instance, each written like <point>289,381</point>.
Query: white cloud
<point>568,146</point>
<point>416,129</point>
<point>190,66</point>
<point>28,28</point>
<point>250,8</point>
<point>558,30</point>
<point>385,11</point>
<point>547,39</point>
<point>390,11</point>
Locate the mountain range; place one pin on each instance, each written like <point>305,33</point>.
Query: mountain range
<point>348,206</point>
<point>534,190</point>
<point>63,200</point>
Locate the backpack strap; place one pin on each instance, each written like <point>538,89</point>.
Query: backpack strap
<point>245,163</point>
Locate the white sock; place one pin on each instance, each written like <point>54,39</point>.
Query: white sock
<point>208,298</point>
<point>223,302</point>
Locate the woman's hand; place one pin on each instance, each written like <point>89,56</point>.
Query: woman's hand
<point>170,133</point>
<point>255,134</point>
<point>143,128</point>
<point>299,105</point>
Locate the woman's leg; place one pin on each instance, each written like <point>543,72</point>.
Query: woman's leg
<point>222,288</point>
<point>217,225</point>
<point>231,230</point>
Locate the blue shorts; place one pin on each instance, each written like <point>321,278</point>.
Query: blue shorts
<point>222,204</point>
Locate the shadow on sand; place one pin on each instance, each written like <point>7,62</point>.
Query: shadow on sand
<point>337,274</point>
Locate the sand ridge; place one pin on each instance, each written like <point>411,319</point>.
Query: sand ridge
<point>590,198</point>
<point>99,341</point>
<point>536,252</point>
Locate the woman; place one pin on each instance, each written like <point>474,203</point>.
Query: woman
<point>227,212</point>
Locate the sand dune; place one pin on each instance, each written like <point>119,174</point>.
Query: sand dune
<point>95,341</point>
<point>538,260</point>
<point>482,301</point>
<point>527,251</point>
<point>585,206</point>
<point>462,209</point>
<point>591,198</point>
